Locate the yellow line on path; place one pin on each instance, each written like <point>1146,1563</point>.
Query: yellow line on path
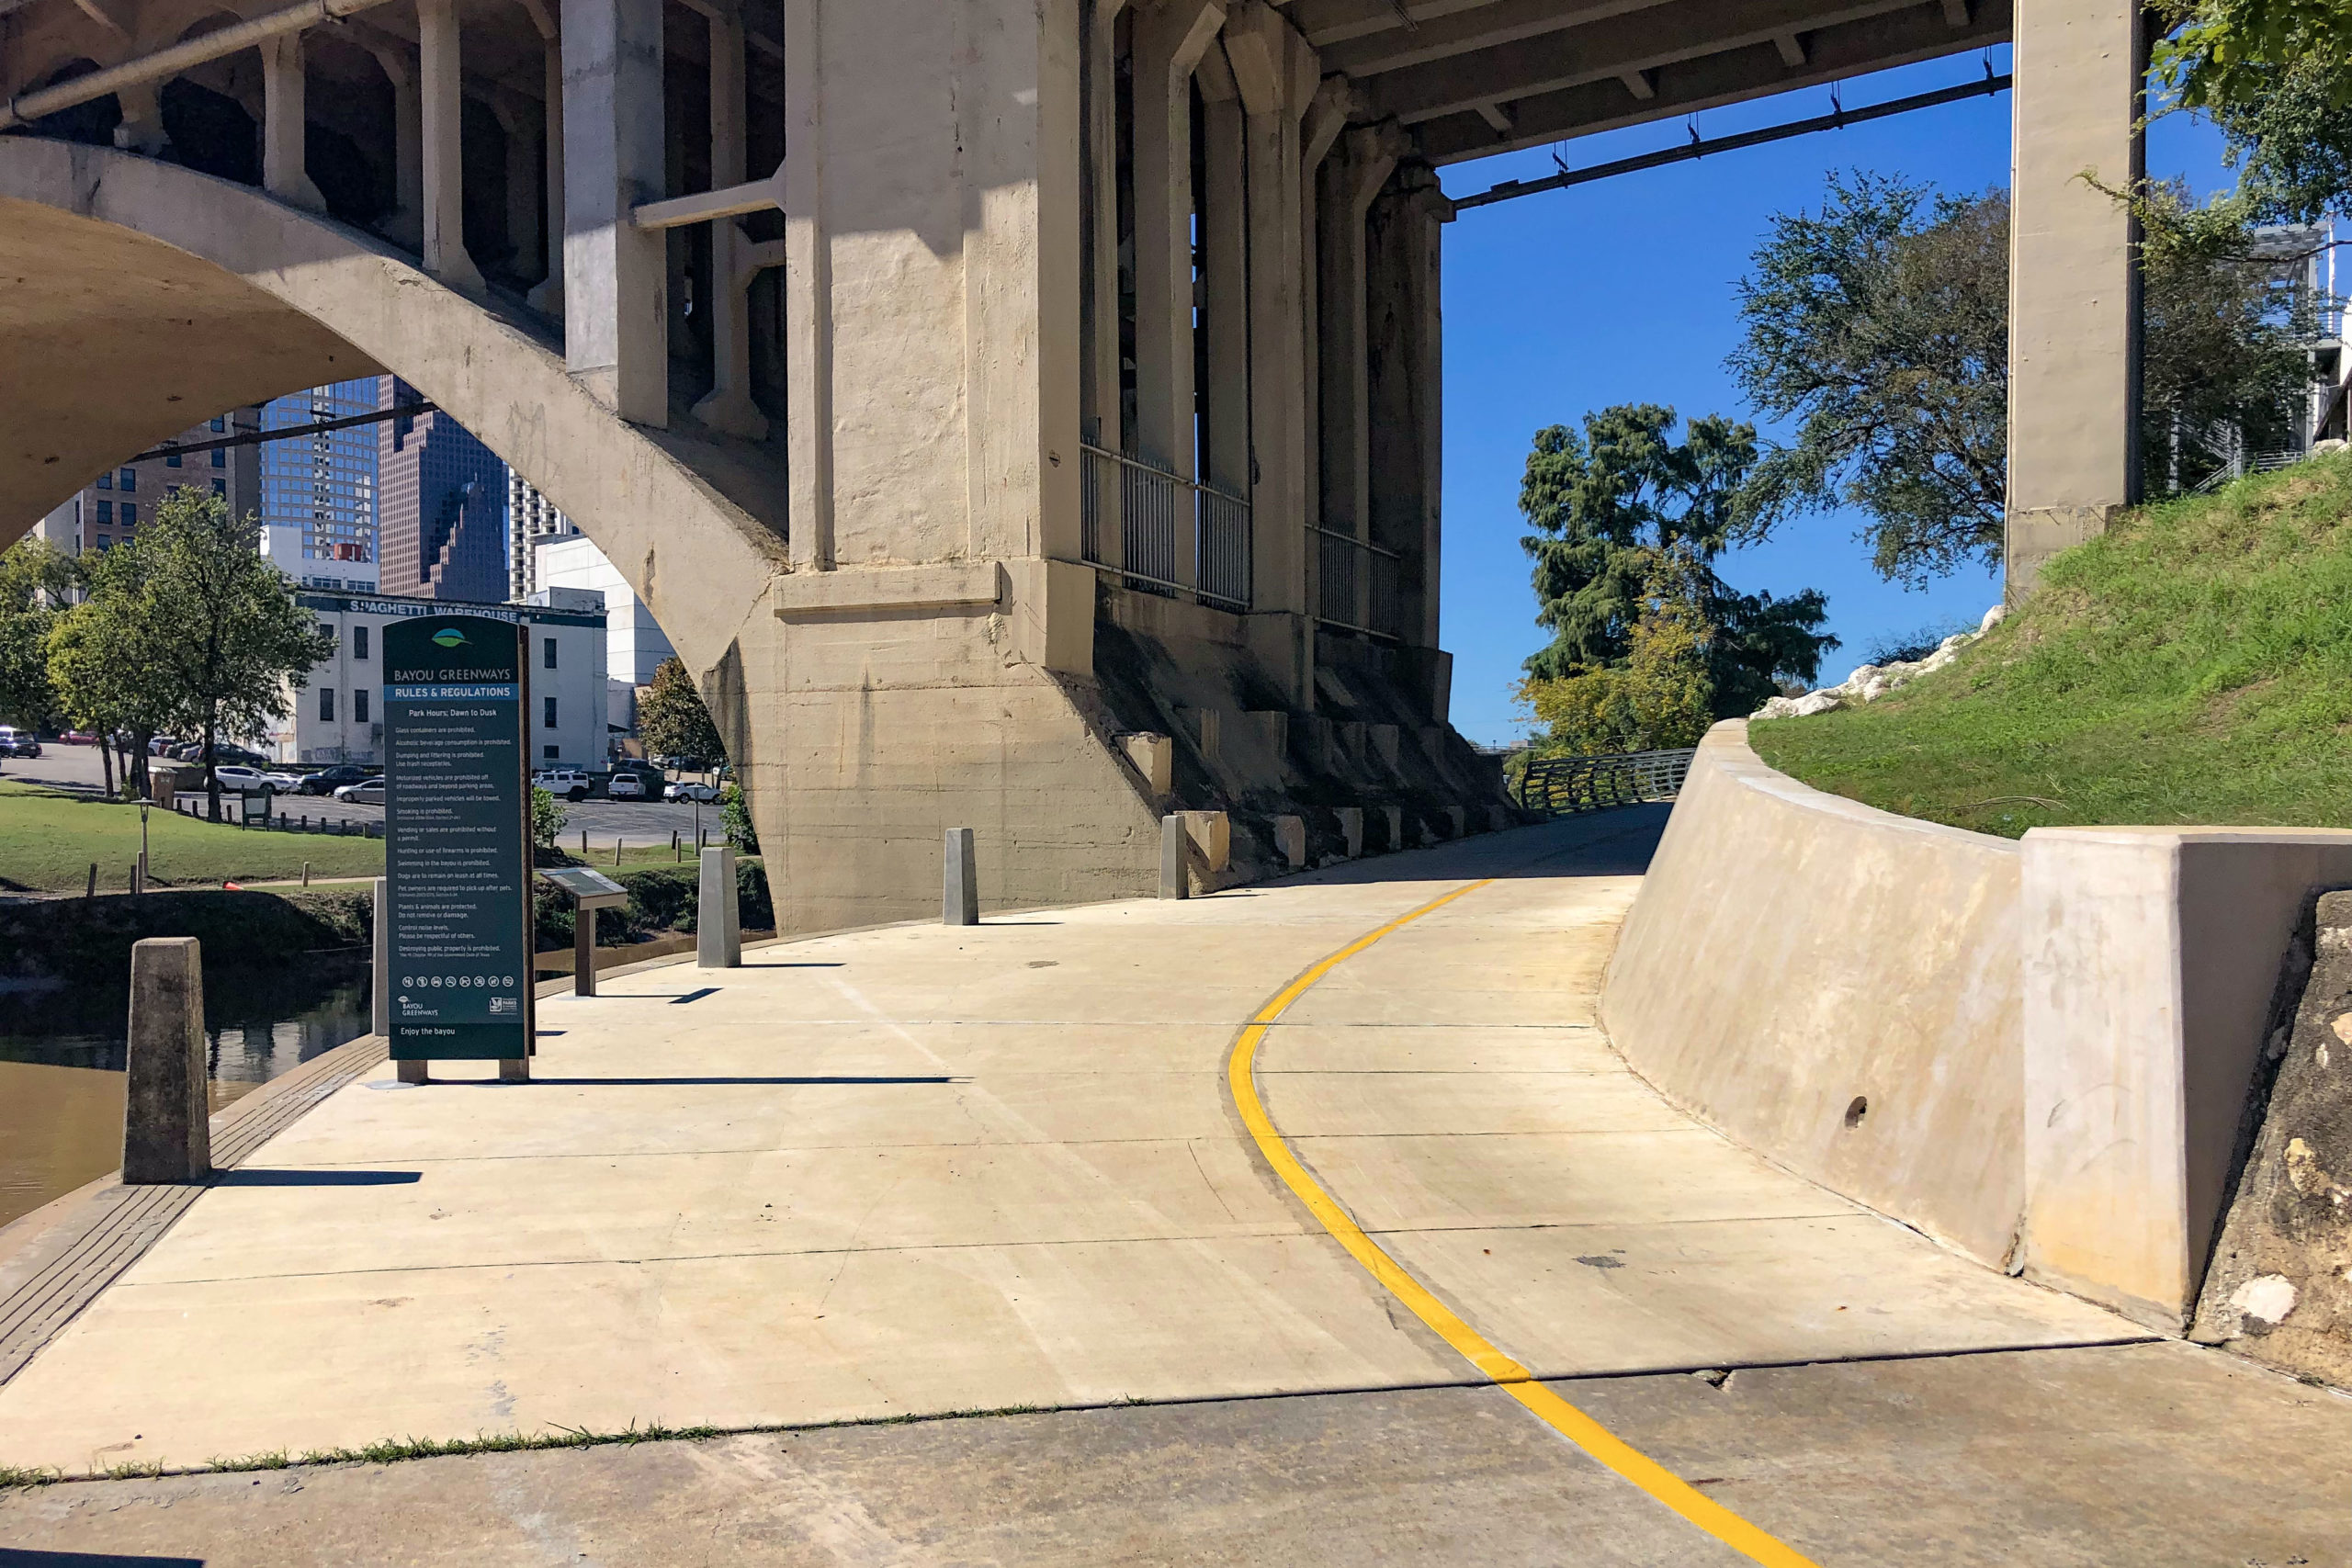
<point>1514,1380</point>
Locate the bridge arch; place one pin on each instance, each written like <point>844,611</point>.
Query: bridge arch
<point>143,297</point>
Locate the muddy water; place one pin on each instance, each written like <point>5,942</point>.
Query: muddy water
<point>61,1064</point>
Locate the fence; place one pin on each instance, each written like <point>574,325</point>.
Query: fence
<point>1166,523</point>
<point>1357,585</point>
<point>1560,785</point>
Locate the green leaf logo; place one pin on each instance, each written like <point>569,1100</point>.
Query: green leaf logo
<point>449,636</point>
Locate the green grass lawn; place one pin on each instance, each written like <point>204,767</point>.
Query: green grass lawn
<point>48,840</point>
<point>2192,666</point>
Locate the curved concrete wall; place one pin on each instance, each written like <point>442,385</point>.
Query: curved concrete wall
<point>1792,952</point>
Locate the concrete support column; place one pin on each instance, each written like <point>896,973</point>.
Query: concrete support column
<point>615,292</point>
<point>1403,371</point>
<point>283,174</point>
<point>1225,277</point>
<point>2081,73</point>
<point>141,129</point>
<point>1324,119</point>
<point>1169,39</point>
<point>1100,402</point>
<point>808,290</point>
<point>443,160</point>
<point>405,224</point>
<point>166,1134</point>
<point>549,294</point>
<point>729,405</point>
<point>1349,185</point>
<point>520,119</point>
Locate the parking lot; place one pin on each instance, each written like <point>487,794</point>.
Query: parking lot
<point>604,821</point>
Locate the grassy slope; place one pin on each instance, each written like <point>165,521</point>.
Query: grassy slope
<point>48,840</point>
<point>2192,666</point>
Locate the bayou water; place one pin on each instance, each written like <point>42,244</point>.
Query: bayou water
<point>62,1062</point>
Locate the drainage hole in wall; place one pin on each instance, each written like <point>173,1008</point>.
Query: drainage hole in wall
<point>1856,1112</point>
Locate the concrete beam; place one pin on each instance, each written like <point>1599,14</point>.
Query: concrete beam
<point>1100,394</point>
<point>1484,26</point>
<point>549,294</point>
<point>1600,51</point>
<point>2081,72</point>
<point>729,406</point>
<point>1874,43</point>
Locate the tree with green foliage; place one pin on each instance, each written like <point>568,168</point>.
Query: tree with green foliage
<point>1662,696</point>
<point>2276,78</point>
<point>1880,326</point>
<point>671,719</point>
<point>546,818</point>
<point>1609,503</point>
<point>735,810</point>
<point>105,655</point>
<point>36,578</point>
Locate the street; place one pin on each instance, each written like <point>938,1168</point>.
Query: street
<point>606,821</point>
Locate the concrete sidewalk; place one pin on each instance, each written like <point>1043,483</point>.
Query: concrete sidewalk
<point>926,1169</point>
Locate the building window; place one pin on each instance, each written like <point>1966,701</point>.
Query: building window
<point>220,487</point>
<point>359,704</point>
<point>326,705</point>
<point>550,712</point>
<point>105,542</point>
<point>172,461</point>
<point>547,654</point>
<point>219,457</point>
<point>105,481</point>
<point>106,513</point>
<point>359,642</point>
<point>220,423</point>
<point>127,478</point>
<point>551,753</point>
<point>131,514</point>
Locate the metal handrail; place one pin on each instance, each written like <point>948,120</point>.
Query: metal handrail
<point>1559,786</point>
<point>1148,535</point>
<point>1336,602</point>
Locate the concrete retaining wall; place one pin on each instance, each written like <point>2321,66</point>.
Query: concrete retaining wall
<point>2037,1052</point>
<point>1791,954</point>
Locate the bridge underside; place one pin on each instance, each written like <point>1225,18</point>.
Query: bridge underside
<point>1074,377</point>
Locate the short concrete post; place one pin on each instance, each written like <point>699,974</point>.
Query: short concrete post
<point>1290,841</point>
<point>166,1136</point>
<point>719,923</point>
<point>1175,858</point>
<point>959,885</point>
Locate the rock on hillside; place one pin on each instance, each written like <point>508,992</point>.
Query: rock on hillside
<point>1873,681</point>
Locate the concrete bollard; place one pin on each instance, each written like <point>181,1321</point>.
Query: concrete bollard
<point>1396,816</point>
<point>1351,829</point>
<point>1498,818</point>
<point>166,1134</point>
<point>718,917</point>
<point>1175,858</point>
<point>959,883</point>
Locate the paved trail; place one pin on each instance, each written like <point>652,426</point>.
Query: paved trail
<point>923,1170</point>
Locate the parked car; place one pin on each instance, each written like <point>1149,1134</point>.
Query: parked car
<point>569,782</point>
<point>688,789</point>
<point>326,781</point>
<point>186,751</point>
<point>241,756</point>
<point>627,786</point>
<point>367,791</point>
<point>15,742</point>
<point>250,781</point>
<point>159,744</point>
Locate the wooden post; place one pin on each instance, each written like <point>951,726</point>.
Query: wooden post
<point>93,881</point>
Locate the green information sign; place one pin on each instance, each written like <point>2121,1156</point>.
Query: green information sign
<point>457,838</point>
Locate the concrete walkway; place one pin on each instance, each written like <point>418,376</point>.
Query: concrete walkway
<point>920,1170</point>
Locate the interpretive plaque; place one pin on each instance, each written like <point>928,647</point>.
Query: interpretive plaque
<point>457,838</point>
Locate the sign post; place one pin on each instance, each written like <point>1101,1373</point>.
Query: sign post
<point>457,842</point>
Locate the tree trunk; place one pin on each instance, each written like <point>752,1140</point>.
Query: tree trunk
<point>106,764</point>
<point>212,777</point>
<point>135,766</point>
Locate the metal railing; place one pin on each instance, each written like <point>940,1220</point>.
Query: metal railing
<point>1165,522</point>
<point>1357,585</point>
<point>1560,785</point>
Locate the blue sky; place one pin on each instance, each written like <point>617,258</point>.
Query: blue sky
<point>1621,291</point>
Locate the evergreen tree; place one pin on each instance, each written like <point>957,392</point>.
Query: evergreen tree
<point>672,717</point>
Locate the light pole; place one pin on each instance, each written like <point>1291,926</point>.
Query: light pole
<point>143,804</point>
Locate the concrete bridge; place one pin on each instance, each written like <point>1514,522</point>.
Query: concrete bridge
<point>1069,371</point>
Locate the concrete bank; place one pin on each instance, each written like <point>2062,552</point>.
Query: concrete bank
<point>2039,1050</point>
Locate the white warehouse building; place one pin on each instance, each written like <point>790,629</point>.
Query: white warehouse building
<point>338,716</point>
<point>635,645</point>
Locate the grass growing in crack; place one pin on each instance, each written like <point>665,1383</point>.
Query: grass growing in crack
<point>2194,664</point>
<point>391,1450</point>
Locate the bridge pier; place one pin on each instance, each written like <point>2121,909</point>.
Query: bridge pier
<point>2081,72</point>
